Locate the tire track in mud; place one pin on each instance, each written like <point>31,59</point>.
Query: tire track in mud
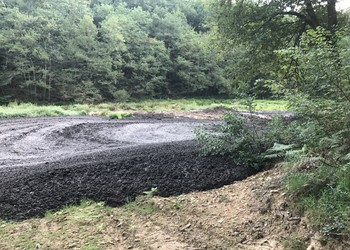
<point>46,163</point>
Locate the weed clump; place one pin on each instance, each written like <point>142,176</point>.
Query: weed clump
<point>119,115</point>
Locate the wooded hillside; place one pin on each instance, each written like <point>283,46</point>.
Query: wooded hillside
<point>104,50</point>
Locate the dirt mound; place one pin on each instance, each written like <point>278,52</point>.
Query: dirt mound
<point>153,115</point>
<point>47,163</point>
<point>113,177</point>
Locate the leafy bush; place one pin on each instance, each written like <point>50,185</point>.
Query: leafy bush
<point>319,182</point>
<point>243,139</point>
<point>325,195</point>
<point>121,95</point>
<point>314,77</point>
<point>119,115</point>
<point>250,140</point>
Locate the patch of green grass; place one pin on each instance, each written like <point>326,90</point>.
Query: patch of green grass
<point>261,105</point>
<point>31,110</point>
<point>80,226</point>
<point>324,195</point>
<point>113,110</point>
<point>292,243</point>
<point>141,205</point>
<point>93,245</point>
<point>119,115</point>
<point>297,183</point>
<point>86,209</point>
<point>23,234</point>
<point>205,103</point>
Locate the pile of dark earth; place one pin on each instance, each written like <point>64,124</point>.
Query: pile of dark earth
<point>47,163</point>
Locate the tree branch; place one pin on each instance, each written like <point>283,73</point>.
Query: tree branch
<point>313,20</point>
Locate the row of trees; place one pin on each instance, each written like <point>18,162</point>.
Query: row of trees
<point>95,50</point>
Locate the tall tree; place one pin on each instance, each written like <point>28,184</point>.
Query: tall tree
<point>260,27</point>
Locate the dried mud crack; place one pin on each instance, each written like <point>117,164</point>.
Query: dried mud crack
<point>46,163</point>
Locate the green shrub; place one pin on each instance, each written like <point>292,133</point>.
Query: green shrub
<point>241,138</point>
<point>119,115</point>
<point>319,181</point>
<point>324,194</point>
<point>121,95</point>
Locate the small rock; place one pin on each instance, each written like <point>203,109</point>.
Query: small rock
<point>294,220</point>
<point>258,235</point>
<point>264,209</point>
<point>243,239</point>
<point>277,216</point>
<point>185,227</point>
<point>283,206</point>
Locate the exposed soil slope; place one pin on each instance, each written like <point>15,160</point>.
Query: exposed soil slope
<point>248,215</point>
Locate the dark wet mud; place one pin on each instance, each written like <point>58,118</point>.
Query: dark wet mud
<point>46,163</point>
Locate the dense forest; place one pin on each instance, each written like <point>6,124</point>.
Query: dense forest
<point>110,50</point>
<point>104,50</point>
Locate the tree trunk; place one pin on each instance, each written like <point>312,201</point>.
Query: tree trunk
<point>332,16</point>
<point>312,19</point>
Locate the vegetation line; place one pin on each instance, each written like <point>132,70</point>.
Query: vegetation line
<point>119,110</point>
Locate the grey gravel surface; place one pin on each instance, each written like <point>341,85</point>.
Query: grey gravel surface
<point>46,163</point>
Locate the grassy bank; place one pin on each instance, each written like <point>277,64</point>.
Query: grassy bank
<point>86,222</point>
<point>15,109</point>
<point>321,192</point>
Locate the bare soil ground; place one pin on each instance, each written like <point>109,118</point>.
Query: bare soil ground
<point>232,213</point>
<point>251,214</point>
<point>47,163</point>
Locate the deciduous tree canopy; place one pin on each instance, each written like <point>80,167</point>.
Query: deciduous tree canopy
<point>258,28</point>
<point>59,51</point>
